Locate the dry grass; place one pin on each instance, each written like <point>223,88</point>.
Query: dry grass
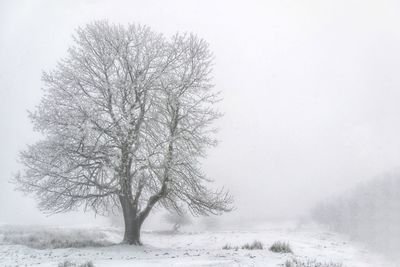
<point>255,245</point>
<point>249,246</point>
<point>68,263</point>
<point>229,247</point>
<point>310,263</point>
<point>281,247</point>
<point>52,238</point>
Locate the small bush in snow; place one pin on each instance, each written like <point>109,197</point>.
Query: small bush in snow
<point>255,245</point>
<point>310,263</point>
<point>281,247</point>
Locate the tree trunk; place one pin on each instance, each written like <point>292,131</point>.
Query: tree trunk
<point>132,231</point>
<point>132,221</point>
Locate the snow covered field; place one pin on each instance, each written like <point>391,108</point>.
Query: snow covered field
<point>190,248</point>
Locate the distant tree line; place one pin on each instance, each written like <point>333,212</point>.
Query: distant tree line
<point>369,212</point>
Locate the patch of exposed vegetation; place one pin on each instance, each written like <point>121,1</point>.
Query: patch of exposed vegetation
<point>249,246</point>
<point>281,247</point>
<point>310,263</point>
<point>53,238</point>
<point>68,263</point>
<point>229,247</point>
<point>255,245</point>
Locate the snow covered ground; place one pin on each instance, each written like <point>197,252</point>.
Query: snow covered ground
<point>189,248</point>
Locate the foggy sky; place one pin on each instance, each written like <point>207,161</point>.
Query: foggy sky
<point>311,91</point>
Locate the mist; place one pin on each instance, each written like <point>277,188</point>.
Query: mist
<point>367,213</point>
<point>310,94</point>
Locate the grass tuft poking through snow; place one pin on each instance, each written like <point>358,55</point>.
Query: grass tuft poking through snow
<point>281,247</point>
<point>249,246</point>
<point>255,245</point>
<point>68,263</point>
<point>229,247</point>
<point>310,263</point>
<point>53,238</point>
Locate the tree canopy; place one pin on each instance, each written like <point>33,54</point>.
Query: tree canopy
<point>126,117</point>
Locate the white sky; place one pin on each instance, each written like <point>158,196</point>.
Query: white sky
<point>311,89</point>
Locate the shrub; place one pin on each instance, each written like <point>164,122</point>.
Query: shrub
<point>255,245</point>
<point>281,247</point>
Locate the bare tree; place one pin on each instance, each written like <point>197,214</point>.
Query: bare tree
<point>125,119</point>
